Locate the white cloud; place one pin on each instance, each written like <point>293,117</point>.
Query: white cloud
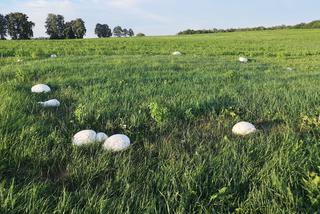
<point>134,7</point>
<point>45,4</point>
<point>124,3</point>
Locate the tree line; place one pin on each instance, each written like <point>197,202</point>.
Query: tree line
<point>18,26</point>
<point>310,25</point>
<point>103,30</point>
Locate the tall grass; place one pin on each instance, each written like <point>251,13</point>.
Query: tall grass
<point>178,112</point>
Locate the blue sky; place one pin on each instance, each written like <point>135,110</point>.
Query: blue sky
<point>166,17</point>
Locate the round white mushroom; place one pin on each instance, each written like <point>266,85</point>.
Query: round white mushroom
<point>53,56</point>
<point>243,59</point>
<point>176,53</point>
<point>101,137</point>
<point>40,88</point>
<point>84,137</point>
<point>243,128</point>
<point>50,103</point>
<point>117,142</point>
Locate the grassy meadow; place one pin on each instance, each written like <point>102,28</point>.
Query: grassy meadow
<point>178,112</point>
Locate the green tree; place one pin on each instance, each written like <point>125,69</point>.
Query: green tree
<point>18,26</point>
<point>68,31</point>
<point>131,33</point>
<point>125,32</point>
<point>55,26</point>
<point>103,30</point>
<point>79,29</point>
<point>117,31</point>
<point>140,35</point>
<point>3,27</point>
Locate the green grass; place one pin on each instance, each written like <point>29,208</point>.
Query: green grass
<point>178,113</point>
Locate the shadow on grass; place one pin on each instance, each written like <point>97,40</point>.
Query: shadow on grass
<point>194,112</point>
<point>268,125</point>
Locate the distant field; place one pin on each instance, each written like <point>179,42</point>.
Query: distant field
<point>178,113</point>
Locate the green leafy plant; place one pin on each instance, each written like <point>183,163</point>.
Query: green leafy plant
<point>159,114</point>
<point>81,113</point>
<point>309,124</point>
<point>312,186</point>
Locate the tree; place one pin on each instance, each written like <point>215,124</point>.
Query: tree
<point>18,26</point>
<point>78,28</point>
<point>68,31</point>
<point>140,35</point>
<point>117,31</point>
<point>131,33</point>
<point>3,27</point>
<point>103,30</point>
<point>55,26</point>
<point>74,29</point>
<point>125,32</point>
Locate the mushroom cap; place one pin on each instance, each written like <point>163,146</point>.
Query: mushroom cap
<point>84,137</point>
<point>243,128</point>
<point>50,103</point>
<point>40,88</point>
<point>101,137</point>
<point>176,53</point>
<point>243,59</point>
<point>117,142</point>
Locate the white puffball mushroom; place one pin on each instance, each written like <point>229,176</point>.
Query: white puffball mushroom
<point>53,56</point>
<point>101,137</point>
<point>50,103</point>
<point>243,128</point>
<point>116,143</point>
<point>176,53</point>
<point>40,88</point>
<point>243,59</point>
<point>84,137</point>
<point>289,69</point>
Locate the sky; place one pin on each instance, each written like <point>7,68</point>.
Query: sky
<point>167,17</point>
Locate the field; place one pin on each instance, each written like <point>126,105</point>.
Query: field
<point>178,113</point>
